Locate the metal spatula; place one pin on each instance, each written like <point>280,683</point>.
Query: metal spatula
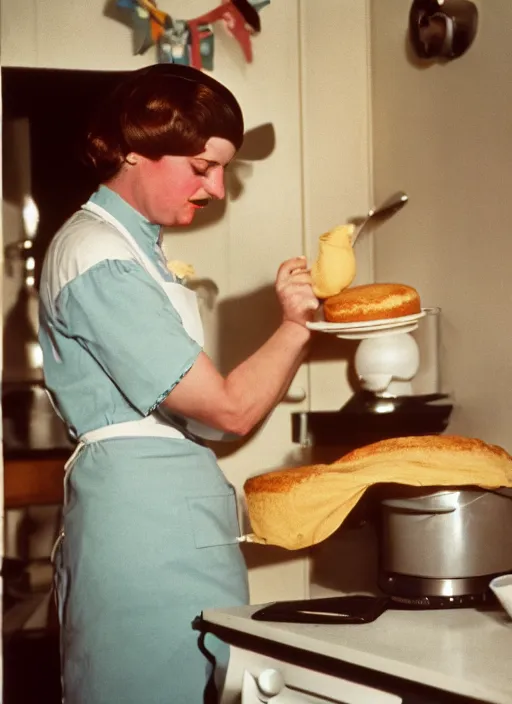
<point>377,216</point>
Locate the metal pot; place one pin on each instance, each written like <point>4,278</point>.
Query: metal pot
<point>455,534</point>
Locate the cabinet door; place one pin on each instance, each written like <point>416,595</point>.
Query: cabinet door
<point>254,677</point>
<point>66,34</point>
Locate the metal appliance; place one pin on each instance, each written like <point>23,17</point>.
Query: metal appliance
<point>28,419</point>
<point>444,547</point>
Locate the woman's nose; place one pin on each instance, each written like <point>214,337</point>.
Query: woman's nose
<point>215,184</point>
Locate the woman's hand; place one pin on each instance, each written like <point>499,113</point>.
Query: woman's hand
<point>294,291</point>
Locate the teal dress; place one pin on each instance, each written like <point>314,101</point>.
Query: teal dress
<point>150,530</point>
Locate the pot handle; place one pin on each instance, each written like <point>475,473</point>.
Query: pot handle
<point>418,506</point>
<point>504,491</point>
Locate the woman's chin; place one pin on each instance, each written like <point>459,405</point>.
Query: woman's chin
<point>181,220</point>
<point>186,217</point>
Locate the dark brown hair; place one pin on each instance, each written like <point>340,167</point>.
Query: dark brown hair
<point>163,109</point>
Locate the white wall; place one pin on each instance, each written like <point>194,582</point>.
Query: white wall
<point>337,173</point>
<point>443,134</point>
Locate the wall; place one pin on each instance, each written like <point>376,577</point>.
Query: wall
<point>442,133</point>
<point>337,169</point>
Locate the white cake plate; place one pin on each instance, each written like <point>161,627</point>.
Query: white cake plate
<point>369,328</point>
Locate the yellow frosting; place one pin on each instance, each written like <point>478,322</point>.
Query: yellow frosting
<point>181,269</point>
<point>335,265</point>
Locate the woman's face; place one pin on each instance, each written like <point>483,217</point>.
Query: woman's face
<point>169,191</point>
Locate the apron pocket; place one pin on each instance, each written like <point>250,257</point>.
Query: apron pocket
<point>214,520</point>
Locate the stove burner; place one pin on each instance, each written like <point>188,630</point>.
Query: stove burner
<point>468,601</point>
<point>428,593</point>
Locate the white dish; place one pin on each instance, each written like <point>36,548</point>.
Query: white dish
<point>377,332</point>
<point>502,588</point>
<point>368,325</point>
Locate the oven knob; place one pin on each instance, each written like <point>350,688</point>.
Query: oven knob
<point>270,682</point>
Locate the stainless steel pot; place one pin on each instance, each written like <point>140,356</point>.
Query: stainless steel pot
<point>447,534</point>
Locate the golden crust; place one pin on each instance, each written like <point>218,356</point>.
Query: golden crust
<point>283,480</point>
<point>428,444</point>
<point>372,302</point>
<point>299,507</point>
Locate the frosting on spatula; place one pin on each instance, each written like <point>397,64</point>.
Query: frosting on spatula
<point>335,265</point>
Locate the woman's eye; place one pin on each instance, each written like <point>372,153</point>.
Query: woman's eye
<point>199,171</point>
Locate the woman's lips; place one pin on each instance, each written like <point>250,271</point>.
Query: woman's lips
<point>201,203</point>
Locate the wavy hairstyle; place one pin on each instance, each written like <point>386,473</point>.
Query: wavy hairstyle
<point>165,109</point>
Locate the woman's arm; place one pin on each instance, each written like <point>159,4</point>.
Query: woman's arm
<point>237,403</point>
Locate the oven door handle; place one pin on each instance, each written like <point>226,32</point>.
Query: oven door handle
<point>256,690</point>
<point>269,687</point>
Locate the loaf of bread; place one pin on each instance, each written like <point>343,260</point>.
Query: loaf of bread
<point>335,266</point>
<point>372,302</point>
<point>299,507</point>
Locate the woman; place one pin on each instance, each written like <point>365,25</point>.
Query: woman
<point>149,523</point>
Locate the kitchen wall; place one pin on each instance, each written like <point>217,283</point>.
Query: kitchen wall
<point>309,80</point>
<point>442,132</point>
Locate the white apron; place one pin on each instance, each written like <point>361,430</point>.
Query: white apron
<point>154,425</point>
<point>191,530</point>
<point>185,303</point>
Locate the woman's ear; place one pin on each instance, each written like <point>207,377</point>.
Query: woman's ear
<point>131,159</point>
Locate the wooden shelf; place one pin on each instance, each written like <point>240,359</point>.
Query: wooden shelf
<point>33,482</point>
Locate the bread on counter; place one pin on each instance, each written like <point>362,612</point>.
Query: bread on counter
<point>299,507</point>
<point>372,302</point>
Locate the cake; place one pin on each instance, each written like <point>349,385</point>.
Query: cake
<point>372,302</point>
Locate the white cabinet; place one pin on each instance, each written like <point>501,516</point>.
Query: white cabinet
<point>450,656</point>
<point>68,35</point>
<point>254,678</point>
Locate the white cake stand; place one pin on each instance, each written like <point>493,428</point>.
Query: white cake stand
<point>387,358</point>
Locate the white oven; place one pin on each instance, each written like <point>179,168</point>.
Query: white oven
<point>253,678</point>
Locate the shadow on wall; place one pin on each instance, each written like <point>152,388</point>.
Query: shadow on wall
<point>267,555</point>
<point>259,143</point>
<point>247,321</point>
<point>348,561</point>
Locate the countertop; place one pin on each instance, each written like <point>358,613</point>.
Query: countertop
<point>462,651</point>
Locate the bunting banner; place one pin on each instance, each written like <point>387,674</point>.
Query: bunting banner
<point>192,41</point>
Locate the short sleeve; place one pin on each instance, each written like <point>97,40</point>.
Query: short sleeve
<point>124,319</point>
